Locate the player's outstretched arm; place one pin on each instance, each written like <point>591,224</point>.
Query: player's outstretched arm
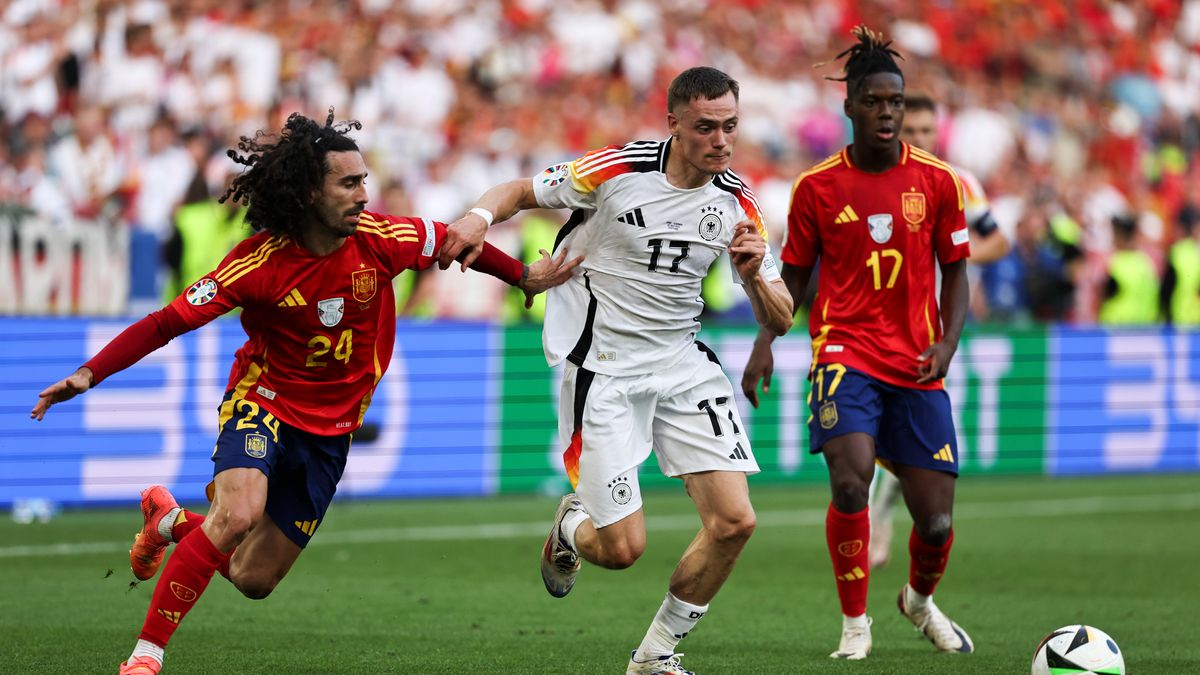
<point>761,363</point>
<point>464,237</point>
<point>64,390</point>
<point>934,362</point>
<point>546,273</point>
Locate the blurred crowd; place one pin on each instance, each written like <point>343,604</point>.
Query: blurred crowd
<point>1080,118</point>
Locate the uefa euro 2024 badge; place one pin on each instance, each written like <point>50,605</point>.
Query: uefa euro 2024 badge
<point>202,292</point>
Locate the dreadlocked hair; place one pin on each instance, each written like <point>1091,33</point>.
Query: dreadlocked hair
<point>871,55</point>
<point>285,170</point>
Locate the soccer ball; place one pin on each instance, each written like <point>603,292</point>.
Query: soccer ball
<point>1078,649</point>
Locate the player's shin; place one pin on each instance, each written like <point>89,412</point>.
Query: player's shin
<point>187,521</point>
<point>928,563</point>
<point>847,535</point>
<point>675,619</point>
<point>183,580</point>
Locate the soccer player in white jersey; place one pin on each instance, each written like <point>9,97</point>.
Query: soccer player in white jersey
<point>650,218</point>
<point>988,244</point>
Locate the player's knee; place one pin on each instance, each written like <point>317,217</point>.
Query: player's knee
<point>622,555</point>
<point>230,526</point>
<point>255,587</point>
<point>850,494</point>
<point>935,529</point>
<point>734,530</point>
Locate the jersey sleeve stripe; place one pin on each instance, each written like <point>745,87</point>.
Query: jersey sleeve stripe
<point>958,188</point>
<point>729,182</point>
<point>235,269</point>
<point>367,219</point>
<point>250,267</point>
<point>585,163</point>
<point>387,232</point>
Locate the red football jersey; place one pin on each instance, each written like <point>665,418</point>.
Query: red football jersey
<point>877,237</point>
<point>320,328</point>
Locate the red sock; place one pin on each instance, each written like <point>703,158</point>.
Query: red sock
<point>928,563</point>
<point>193,521</point>
<point>183,579</point>
<point>190,521</point>
<point>847,535</point>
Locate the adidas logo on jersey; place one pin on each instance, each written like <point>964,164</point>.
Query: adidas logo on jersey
<point>846,216</point>
<point>293,299</point>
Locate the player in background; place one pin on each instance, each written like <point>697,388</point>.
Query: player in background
<point>877,215</point>
<point>315,287</point>
<point>650,218</point>
<point>988,244</point>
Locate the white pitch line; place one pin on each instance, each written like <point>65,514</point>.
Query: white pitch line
<point>1184,501</point>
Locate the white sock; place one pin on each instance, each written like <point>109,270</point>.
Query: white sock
<point>859,621</point>
<point>570,524</point>
<point>166,524</point>
<point>914,601</point>
<point>675,619</point>
<point>144,648</point>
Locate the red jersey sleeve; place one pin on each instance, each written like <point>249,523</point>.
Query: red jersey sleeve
<point>403,242</point>
<point>803,243</point>
<point>950,237</point>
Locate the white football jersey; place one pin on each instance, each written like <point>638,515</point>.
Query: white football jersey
<point>634,304</point>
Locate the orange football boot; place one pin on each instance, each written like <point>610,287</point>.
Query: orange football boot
<point>148,545</point>
<point>140,665</point>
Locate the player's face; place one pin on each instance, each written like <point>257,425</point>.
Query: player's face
<point>876,111</point>
<point>344,194</point>
<point>706,131</point>
<point>919,129</point>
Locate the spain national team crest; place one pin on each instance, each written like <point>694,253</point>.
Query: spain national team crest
<point>880,226</point>
<point>330,311</point>
<point>828,415</point>
<point>912,205</point>
<point>362,283</point>
<point>256,445</point>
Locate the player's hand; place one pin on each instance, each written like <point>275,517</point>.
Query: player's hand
<point>464,237</point>
<point>547,273</point>
<point>747,249</point>
<point>759,366</point>
<point>933,363</point>
<point>64,390</point>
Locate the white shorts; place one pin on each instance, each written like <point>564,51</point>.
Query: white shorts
<point>609,425</point>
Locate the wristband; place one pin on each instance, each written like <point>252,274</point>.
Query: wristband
<point>483,213</point>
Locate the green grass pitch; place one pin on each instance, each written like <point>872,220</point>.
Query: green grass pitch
<point>451,586</point>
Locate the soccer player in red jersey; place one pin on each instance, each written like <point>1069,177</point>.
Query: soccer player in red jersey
<point>877,215</point>
<point>315,288</point>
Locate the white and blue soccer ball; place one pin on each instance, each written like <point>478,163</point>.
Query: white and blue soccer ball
<point>1078,649</point>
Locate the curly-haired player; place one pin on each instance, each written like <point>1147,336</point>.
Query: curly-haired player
<point>315,288</point>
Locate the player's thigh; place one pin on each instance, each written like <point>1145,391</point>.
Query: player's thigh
<point>697,426</point>
<point>264,558</point>
<point>604,426</point>
<point>843,401</point>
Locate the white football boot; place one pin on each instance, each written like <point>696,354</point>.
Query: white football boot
<point>663,665</point>
<point>946,635</point>
<point>560,564</point>
<point>856,640</point>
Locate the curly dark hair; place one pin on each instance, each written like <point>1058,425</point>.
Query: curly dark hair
<point>869,56</point>
<point>285,170</point>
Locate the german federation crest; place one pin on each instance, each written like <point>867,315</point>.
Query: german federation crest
<point>710,223</point>
<point>330,311</point>
<point>363,284</point>
<point>880,225</point>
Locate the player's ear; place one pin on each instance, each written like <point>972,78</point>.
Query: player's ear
<point>673,124</point>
